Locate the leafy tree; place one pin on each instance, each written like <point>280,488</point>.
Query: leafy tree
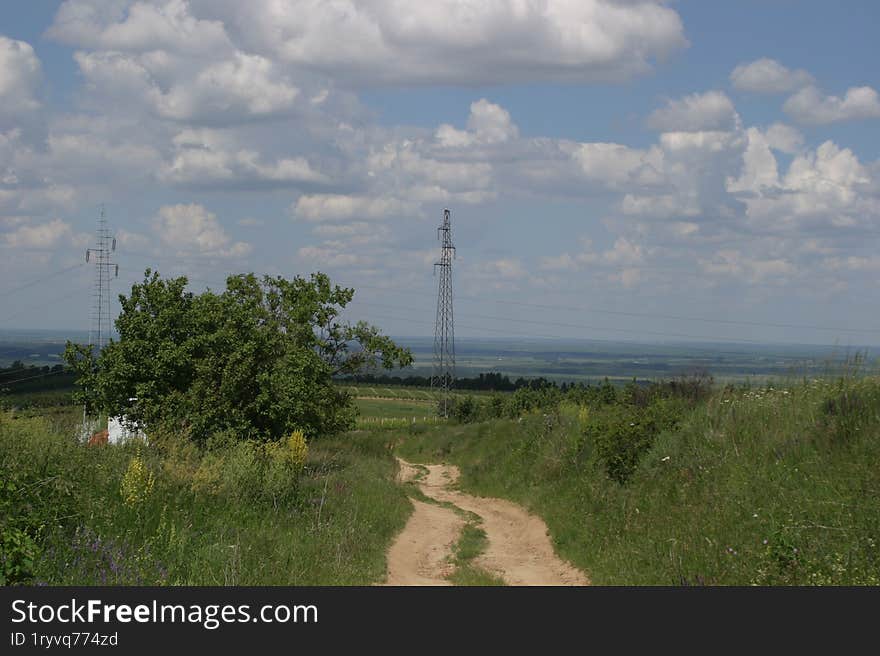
<point>256,360</point>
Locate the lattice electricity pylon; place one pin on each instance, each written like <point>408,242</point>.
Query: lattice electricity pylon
<point>443,374</point>
<point>99,331</point>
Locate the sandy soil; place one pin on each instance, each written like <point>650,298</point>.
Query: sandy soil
<point>519,551</point>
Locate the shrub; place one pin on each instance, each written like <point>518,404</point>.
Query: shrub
<point>496,406</point>
<point>465,410</point>
<point>623,433</point>
<point>257,359</point>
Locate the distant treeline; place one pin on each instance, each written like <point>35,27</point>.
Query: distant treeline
<point>488,382</point>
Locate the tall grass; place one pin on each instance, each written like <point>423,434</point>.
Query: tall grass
<point>170,514</point>
<point>773,485</point>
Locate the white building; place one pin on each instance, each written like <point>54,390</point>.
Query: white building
<point>120,430</point>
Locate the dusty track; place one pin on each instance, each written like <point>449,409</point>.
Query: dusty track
<point>519,551</point>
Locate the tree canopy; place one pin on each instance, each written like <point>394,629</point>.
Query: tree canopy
<point>256,359</point>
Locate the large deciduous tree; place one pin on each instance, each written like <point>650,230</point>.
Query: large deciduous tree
<point>256,360</point>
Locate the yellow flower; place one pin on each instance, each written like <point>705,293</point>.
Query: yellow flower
<point>137,482</point>
<point>291,451</point>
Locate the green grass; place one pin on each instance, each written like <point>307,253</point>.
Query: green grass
<point>207,519</point>
<point>472,543</point>
<point>375,391</point>
<point>396,408</point>
<point>770,486</point>
<point>395,414</point>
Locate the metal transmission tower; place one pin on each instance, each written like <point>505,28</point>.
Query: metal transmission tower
<point>443,376</point>
<point>99,331</point>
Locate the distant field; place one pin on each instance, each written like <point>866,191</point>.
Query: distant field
<point>584,360</point>
<point>394,408</point>
<point>395,413</point>
<point>590,361</point>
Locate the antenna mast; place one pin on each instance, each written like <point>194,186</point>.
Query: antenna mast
<point>443,375</point>
<point>99,331</point>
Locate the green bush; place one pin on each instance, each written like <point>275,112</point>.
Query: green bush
<point>465,410</point>
<point>622,433</point>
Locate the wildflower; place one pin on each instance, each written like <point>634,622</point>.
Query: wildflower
<point>137,482</point>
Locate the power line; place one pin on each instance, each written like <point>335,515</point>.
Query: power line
<point>708,338</point>
<point>41,279</point>
<point>600,310</point>
<point>558,324</point>
<point>544,306</point>
<point>605,329</point>
<point>585,327</point>
<point>50,373</point>
<point>55,299</point>
<point>647,315</point>
<point>611,341</point>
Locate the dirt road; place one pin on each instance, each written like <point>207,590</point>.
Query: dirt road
<point>519,550</point>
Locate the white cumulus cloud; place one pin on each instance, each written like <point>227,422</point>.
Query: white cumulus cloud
<point>141,26</point>
<point>343,207</point>
<point>809,105</point>
<point>456,41</point>
<point>20,74</point>
<point>40,236</point>
<point>711,110</point>
<point>768,76</point>
<point>192,229</point>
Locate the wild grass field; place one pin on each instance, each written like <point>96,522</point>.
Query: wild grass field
<point>169,514</point>
<point>769,485</point>
<point>774,484</point>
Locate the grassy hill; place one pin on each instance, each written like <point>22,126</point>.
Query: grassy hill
<point>749,486</point>
<point>662,485</point>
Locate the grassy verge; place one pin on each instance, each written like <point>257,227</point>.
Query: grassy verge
<point>768,486</point>
<point>168,514</point>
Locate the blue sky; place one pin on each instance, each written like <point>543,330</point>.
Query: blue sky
<point>710,160</point>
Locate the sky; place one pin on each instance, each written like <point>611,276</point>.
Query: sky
<point>615,169</point>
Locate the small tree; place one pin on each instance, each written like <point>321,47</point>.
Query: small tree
<point>257,359</point>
